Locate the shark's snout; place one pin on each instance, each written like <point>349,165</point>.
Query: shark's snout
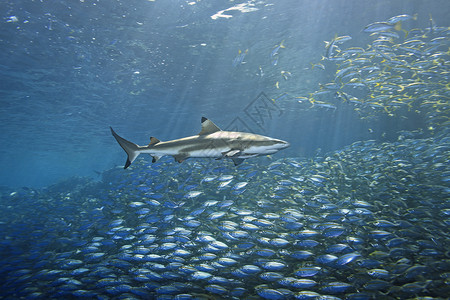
<point>283,144</point>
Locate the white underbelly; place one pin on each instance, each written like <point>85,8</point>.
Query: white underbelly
<point>214,153</point>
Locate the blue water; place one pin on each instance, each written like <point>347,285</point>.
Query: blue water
<point>356,208</point>
<point>71,69</point>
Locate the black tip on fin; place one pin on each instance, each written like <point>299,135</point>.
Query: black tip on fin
<point>127,164</point>
<point>237,161</point>
<point>153,141</point>
<point>204,119</point>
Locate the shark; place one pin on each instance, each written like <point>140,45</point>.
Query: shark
<point>210,142</point>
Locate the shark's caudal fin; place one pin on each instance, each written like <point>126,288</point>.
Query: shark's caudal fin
<point>130,148</point>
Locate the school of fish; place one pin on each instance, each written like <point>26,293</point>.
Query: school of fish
<point>400,72</point>
<point>369,221</point>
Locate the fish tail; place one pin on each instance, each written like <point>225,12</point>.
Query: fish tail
<point>130,148</point>
<point>406,32</point>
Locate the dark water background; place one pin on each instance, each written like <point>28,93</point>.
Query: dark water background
<point>71,69</point>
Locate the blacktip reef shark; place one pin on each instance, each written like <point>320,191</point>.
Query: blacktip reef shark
<point>211,142</point>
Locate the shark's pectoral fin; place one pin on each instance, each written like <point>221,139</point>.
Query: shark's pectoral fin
<point>180,157</point>
<point>231,153</point>
<point>237,161</point>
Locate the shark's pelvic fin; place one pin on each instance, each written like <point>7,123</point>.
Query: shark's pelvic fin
<point>155,158</point>
<point>208,127</point>
<point>180,157</point>
<point>130,148</point>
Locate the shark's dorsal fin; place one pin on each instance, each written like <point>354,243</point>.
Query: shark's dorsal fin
<point>153,141</point>
<point>208,127</point>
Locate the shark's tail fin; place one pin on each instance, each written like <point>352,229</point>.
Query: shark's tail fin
<point>130,148</point>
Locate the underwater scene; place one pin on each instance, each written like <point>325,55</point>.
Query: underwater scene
<point>291,149</point>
